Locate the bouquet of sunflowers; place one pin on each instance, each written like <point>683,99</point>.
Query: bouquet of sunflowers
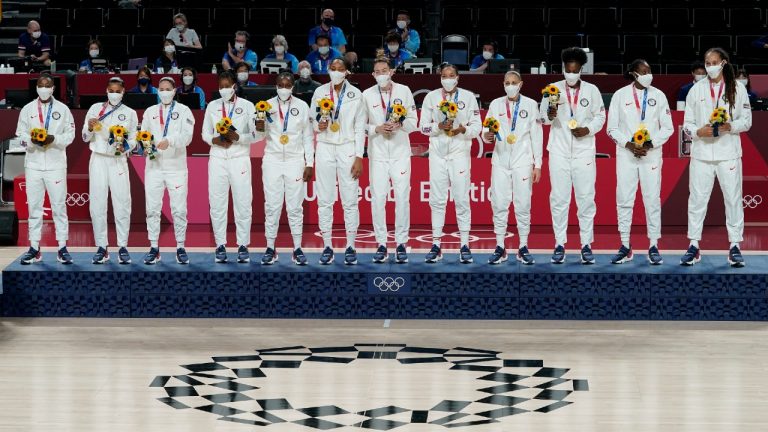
<point>552,93</point>
<point>117,135</point>
<point>324,108</point>
<point>492,125</point>
<point>450,109</point>
<point>38,136</point>
<point>263,109</point>
<point>397,113</point>
<point>224,125</point>
<point>147,142</point>
<point>718,118</point>
<point>641,137</point>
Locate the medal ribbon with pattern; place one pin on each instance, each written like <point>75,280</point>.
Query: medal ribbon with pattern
<point>335,121</point>
<point>716,101</point>
<point>284,135</point>
<point>640,112</point>
<point>231,110</point>
<point>47,116</point>
<point>572,124</point>
<point>512,138</point>
<point>165,124</point>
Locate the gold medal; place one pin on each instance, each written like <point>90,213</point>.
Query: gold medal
<point>97,127</point>
<point>573,124</point>
<point>511,139</point>
<point>335,127</point>
<point>283,139</point>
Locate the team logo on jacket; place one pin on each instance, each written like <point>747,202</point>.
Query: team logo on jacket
<point>121,117</point>
<point>584,102</point>
<point>238,110</point>
<point>398,101</point>
<point>652,102</point>
<point>175,116</point>
<point>523,114</point>
<point>295,112</point>
<point>56,115</point>
<point>461,105</point>
<point>351,95</point>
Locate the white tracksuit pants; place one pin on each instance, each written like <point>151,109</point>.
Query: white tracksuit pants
<point>647,171</point>
<point>700,182</point>
<point>108,174</point>
<point>579,175</point>
<point>399,173</point>
<point>332,163</point>
<point>37,183</point>
<point>156,182</point>
<point>511,186</point>
<point>283,182</point>
<point>453,174</point>
<point>223,175</point>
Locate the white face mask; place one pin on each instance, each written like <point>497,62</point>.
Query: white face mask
<point>44,92</point>
<point>36,35</point>
<point>323,50</point>
<point>743,81</point>
<point>714,71</point>
<point>449,83</point>
<point>180,27</point>
<point>93,53</point>
<point>115,98</point>
<point>242,76</point>
<point>401,24</point>
<point>305,73</point>
<point>279,49</point>
<point>393,47</point>
<point>166,96</point>
<point>227,93</point>
<point>487,55</point>
<point>698,78</point>
<point>188,80</point>
<point>239,46</point>
<point>337,77</point>
<point>170,49</point>
<point>644,80</point>
<point>572,78</point>
<point>383,80</point>
<point>284,93</point>
<point>512,90</point>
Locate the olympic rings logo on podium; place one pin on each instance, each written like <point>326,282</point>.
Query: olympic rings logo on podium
<point>77,199</point>
<point>385,284</point>
<point>752,201</point>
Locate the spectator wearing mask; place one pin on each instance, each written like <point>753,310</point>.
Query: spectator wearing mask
<point>167,61</point>
<point>242,74</point>
<point>322,57</point>
<point>394,52</point>
<point>94,51</point>
<point>240,53</point>
<point>410,40</point>
<point>351,58</point>
<point>181,35</point>
<point>743,77</point>
<point>35,44</point>
<point>490,52</point>
<point>326,28</point>
<point>305,83</point>
<point>280,52</point>
<point>699,73</point>
<point>144,82</point>
<point>189,84</point>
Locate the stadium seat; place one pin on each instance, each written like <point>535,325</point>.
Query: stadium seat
<point>372,20</point>
<point>559,42</point>
<point>709,41</point>
<point>55,21</point>
<point>216,45</point>
<point>607,48</point>
<point>643,46</point>
<point>197,18</point>
<point>674,20</point>
<point>637,20</point>
<point>146,45</point>
<point>678,47</point>
<point>747,20</point>
<point>709,20</point>
<point>564,20</point>
<point>457,20</point>
<point>160,20</point>
<point>117,47</point>
<point>300,19</point>
<point>600,20</point>
<point>528,20</point>
<point>91,19</point>
<point>73,48</point>
<point>366,45</point>
<point>745,50</point>
<point>530,48</point>
<point>265,20</point>
<point>228,20</point>
<point>492,20</point>
<point>122,21</point>
<point>344,18</point>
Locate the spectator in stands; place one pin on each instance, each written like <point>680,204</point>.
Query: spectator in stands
<point>351,58</point>
<point>393,51</point>
<point>181,35</point>
<point>129,4</point>
<point>144,82</point>
<point>240,53</point>
<point>305,83</point>
<point>35,44</point>
<point>242,73</point>
<point>94,51</point>
<point>167,60</point>
<point>743,77</point>
<point>189,84</point>
<point>409,37</point>
<point>321,58</point>
<point>490,52</point>
<point>280,52</point>
<point>335,35</point>
<point>699,73</point>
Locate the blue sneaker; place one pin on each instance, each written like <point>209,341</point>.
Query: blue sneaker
<point>381,255</point>
<point>123,257</point>
<point>734,257</point>
<point>586,255</point>
<point>524,256</point>
<point>350,256</point>
<point>326,258</point>
<point>242,255</point>
<point>465,255</point>
<point>434,255</point>
<point>498,256</point>
<point>558,256</point>
<point>401,254</point>
<point>691,257</point>
<point>31,256</point>
<point>221,254</point>
<point>63,256</point>
<point>623,255</point>
<point>299,258</point>
<point>101,256</point>
<point>152,257</point>
<point>181,256</point>
<point>654,256</point>
<point>269,257</point>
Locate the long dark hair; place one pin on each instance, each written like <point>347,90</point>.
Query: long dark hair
<point>729,75</point>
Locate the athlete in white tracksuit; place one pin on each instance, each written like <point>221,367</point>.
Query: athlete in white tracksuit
<point>229,167</point>
<point>572,153</point>
<point>338,157</point>
<point>171,124</point>
<point>107,172</point>
<point>389,154</point>
<point>289,157</point>
<point>449,159</point>
<point>515,165</point>
<point>716,157</point>
<point>45,166</point>
<point>632,106</point>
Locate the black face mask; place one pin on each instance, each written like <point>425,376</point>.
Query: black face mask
<point>328,21</point>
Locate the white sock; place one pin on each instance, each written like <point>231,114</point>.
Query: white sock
<point>351,239</point>
<point>695,243</point>
<point>154,245</point>
<point>62,244</point>
<point>35,245</point>
<point>500,239</point>
<point>736,244</point>
<point>625,240</point>
<point>271,243</point>
<point>436,241</point>
<point>327,240</point>
<point>654,243</point>
<point>464,238</point>
<point>523,241</point>
<point>180,245</point>
<point>296,242</point>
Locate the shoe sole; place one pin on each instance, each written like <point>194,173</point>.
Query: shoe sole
<point>695,261</point>
<point>736,264</point>
<point>587,262</point>
<point>333,258</point>
<point>519,259</point>
<point>180,262</point>
<point>274,260</point>
<point>152,262</point>
<point>243,261</point>
<point>123,262</point>
<point>102,261</point>
<point>298,263</point>
<point>32,261</point>
<point>661,261</point>
<point>499,261</point>
<point>381,261</point>
<point>433,261</point>
<point>623,260</point>
<point>350,262</point>
<point>555,261</point>
<point>401,261</point>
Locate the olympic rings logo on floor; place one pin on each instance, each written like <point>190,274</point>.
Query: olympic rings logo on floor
<point>385,284</point>
<point>77,199</point>
<point>752,201</point>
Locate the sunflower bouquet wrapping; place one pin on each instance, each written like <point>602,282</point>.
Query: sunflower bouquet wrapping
<point>718,118</point>
<point>552,93</point>
<point>147,142</point>
<point>397,113</point>
<point>224,125</point>
<point>492,125</point>
<point>38,136</point>
<point>117,138</point>
<point>263,109</point>
<point>641,137</point>
<point>324,108</point>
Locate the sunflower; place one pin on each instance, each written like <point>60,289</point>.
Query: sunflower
<point>39,134</point>
<point>144,136</point>
<point>550,90</point>
<point>118,130</point>
<point>452,108</point>
<point>326,104</point>
<point>221,129</point>
<point>263,106</point>
<point>398,110</point>
<point>226,121</point>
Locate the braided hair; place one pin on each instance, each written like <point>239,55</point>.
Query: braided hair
<point>729,75</point>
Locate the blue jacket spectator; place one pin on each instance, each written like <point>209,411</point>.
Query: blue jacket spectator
<point>240,53</point>
<point>144,82</point>
<point>167,60</point>
<point>490,52</point>
<point>280,52</point>
<point>94,51</point>
<point>326,28</point>
<point>189,84</point>
<point>409,37</point>
<point>321,58</point>
<point>393,50</point>
<point>35,44</point>
<point>699,73</point>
